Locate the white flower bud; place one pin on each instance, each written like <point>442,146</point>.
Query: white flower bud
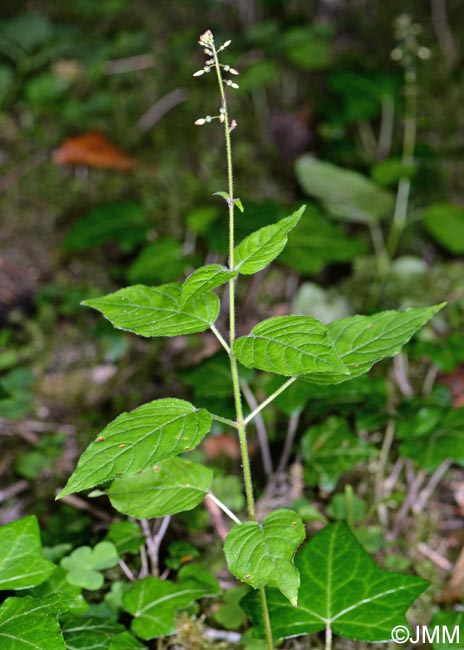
<point>233,71</point>
<point>200,121</point>
<point>226,44</point>
<point>208,118</point>
<point>198,73</point>
<point>424,53</point>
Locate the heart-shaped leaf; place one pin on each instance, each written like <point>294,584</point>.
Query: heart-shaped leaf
<point>157,311</point>
<point>342,590</point>
<point>261,247</point>
<point>205,279</point>
<point>173,486</point>
<point>290,346</point>
<point>344,193</point>
<point>84,565</point>
<point>362,341</point>
<point>31,623</point>
<point>153,602</point>
<point>262,554</point>
<point>137,440</point>
<point>89,632</point>
<point>22,564</point>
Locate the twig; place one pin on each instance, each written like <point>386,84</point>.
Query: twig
<point>439,560</point>
<point>260,428</point>
<point>400,373</point>
<point>216,517</point>
<point>162,106</point>
<point>432,483</point>
<point>411,497</point>
<point>127,572</point>
<point>443,31</point>
<point>144,572</point>
<point>289,440</point>
<point>130,64</point>
<point>13,490</point>
<point>80,504</point>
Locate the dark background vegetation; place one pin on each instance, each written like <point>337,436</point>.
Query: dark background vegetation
<point>315,76</point>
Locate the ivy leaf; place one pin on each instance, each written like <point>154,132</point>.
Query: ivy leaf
<point>175,485</point>
<point>84,565</point>
<point>153,602</point>
<point>137,440</point>
<point>329,449</point>
<point>205,279</point>
<point>125,641</point>
<point>261,247</point>
<point>342,589</point>
<point>89,632</point>
<point>290,346</point>
<point>262,554</point>
<point>362,341</point>
<point>344,193</point>
<point>157,311</point>
<point>22,564</point>
<point>31,623</point>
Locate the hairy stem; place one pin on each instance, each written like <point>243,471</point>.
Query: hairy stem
<point>233,361</point>
<point>269,399</point>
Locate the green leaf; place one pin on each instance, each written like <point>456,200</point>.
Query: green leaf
<point>452,623</point>
<point>346,194</point>
<point>125,223</point>
<point>317,241</point>
<point>204,280</point>
<point>31,623</point>
<point>342,589</point>
<point>445,222</point>
<point>261,247</point>
<point>84,565</point>
<point>125,641</point>
<point>362,341</point>
<point>135,441</point>
<point>157,311</point>
<point>438,438</point>
<point>329,449</point>
<point>22,564</point>
<point>154,602</point>
<point>58,584</point>
<point>88,632</point>
<point>175,485</point>
<point>261,555</point>
<point>126,536</point>
<point>290,346</point>
<point>161,261</point>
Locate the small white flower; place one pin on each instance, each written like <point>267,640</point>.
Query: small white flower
<point>208,118</point>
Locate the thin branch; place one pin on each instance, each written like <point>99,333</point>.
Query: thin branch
<point>431,485</point>
<point>260,429</point>
<point>127,572</point>
<point>224,508</point>
<point>289,440</point>
<point>229,423</point>
<point>270,399</point>
<point>162,106</point>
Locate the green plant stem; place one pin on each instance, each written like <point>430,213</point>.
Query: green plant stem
<point>220,338</point>
<point>233,361</point>
<point>269,399</point>
<point>230,423</point>
<point>407,160</point>
<point>224,508</point>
